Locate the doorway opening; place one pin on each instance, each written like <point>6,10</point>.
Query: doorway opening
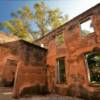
<point>9,72</point>
<point>9,83</point>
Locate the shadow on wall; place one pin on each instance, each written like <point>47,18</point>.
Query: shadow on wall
<point>95,95</point>
<point>34,90</point>
<point>78,91</point>
<point>81,92</point>
<point>7,83</point>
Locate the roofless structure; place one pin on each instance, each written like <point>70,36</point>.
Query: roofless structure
<point>70,64</point>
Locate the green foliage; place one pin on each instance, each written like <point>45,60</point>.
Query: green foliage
<point>93,59</point>
<point>1,26</point>
<point>59,39</point>
<point>85,32</point>
<point>40,17</point>
<point>16,27</point>
<point>44,17</point>
<point>55,18</point>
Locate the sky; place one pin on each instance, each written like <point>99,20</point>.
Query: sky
<point>70,7</point>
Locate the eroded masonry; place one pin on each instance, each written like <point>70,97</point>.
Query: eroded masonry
<point>65,61</point>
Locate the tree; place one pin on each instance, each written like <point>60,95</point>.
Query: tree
<point>16,27</point>
<point>43,17</point>
<point>55,18</point>
<point>85,32</point>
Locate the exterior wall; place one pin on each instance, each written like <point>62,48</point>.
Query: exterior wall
<point>30,70</point>
<point>7,70</point>
<point>74,47</point>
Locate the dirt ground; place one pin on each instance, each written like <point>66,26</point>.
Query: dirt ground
<point>8,96</point>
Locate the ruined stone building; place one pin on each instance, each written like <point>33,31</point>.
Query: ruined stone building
<point>22,64</point>
<point>65,61</point>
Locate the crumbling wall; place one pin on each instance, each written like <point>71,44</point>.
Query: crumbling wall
<point>23,66</point>
<point>74,48</point>
<point>8,63</point>
<point>31,71</point>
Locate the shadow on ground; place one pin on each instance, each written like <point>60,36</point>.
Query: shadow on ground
<point>8,96</point>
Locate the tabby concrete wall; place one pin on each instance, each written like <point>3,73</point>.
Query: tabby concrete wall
<point>24,63</point>
<point>31,71</point>
<point>7,69</point>
<point>73,49</point>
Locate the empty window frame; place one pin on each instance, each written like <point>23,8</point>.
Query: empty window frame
<point>86,27</point>
<point>93,61</point>
<point>59,39</point>
<point>61,70</point>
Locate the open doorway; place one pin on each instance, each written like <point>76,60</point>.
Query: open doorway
<point>10,83</point>
<point>93,61</point>
<point>9,72</point>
